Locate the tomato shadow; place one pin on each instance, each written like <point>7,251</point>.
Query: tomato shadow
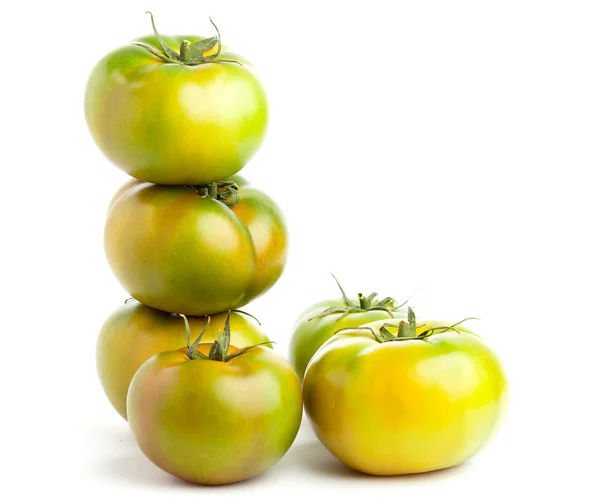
<point>120,461</point>
<point>137,470</point>
<point>311,456</point>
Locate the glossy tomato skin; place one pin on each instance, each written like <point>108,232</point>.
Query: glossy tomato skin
<point>174,250</point>
<point>404,406</point>
<point>312,331</point>
<point>211,422</point>
<point>171,123</point>
<point>134,332</point>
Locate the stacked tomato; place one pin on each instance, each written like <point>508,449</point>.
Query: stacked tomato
<point>192,242</point>
<point>206,396</point>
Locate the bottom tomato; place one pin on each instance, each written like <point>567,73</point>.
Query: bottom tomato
<point>215,414</point>
<point>391,398</point>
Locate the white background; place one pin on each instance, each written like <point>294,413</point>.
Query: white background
<point>451,146</point>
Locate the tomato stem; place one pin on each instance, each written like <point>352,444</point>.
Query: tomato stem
<point>225,192</point>
<point>183,50</point>
<point>220,347</point>
<point>363,302</point>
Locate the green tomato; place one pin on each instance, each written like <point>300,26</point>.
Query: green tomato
<point>134,332</point>
<point>176,119</point>
<point>180,250</point>
<point>388,402</point>
<point>214,414</point>
<point>322,320</point>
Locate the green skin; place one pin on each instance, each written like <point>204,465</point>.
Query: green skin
<point>211,422</point>
<point>175,124</point>
<point>174,250</point>
<point>311,331</point>
<point>134,332</point>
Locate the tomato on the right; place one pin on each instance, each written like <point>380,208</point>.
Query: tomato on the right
<point>395,396</point>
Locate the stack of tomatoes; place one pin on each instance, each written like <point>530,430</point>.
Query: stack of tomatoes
<point>206,396</point>
<point>192,242</point>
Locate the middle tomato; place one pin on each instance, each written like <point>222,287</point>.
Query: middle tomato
<point>195,250</point>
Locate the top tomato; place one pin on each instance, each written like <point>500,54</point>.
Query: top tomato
<point>176,110</point>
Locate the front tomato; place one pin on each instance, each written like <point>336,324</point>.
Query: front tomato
<point>176,110</point>
<point>194,250</point>
<point>213,414</point>
<point>134,332</point>
<point>387,400</point>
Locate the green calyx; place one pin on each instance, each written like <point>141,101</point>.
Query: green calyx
<point>219,349</point>
<point>198,53</point>
<point>225,192</point>
<point>364,304</point>
<point>406,330</point>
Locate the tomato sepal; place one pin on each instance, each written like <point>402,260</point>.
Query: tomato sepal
<point>405,330</point>
<point>219,350</point>
<point>364,304</point>
<point>203,51</point>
